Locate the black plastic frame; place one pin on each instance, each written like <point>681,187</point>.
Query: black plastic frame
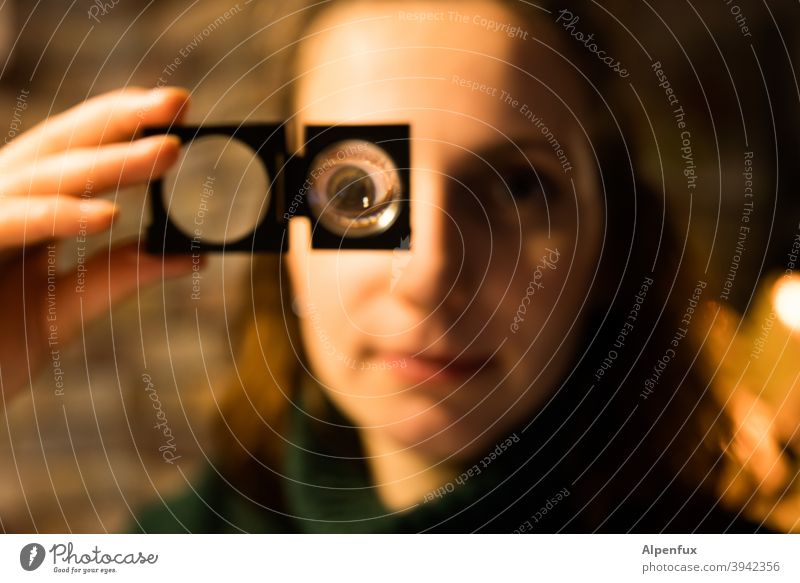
<point>287,176</point>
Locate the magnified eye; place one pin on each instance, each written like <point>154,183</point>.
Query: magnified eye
<point>351,189</point>
<point>355,189</point>
<point>524,184</point>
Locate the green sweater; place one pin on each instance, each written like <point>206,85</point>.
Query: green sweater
<point>533,480</point>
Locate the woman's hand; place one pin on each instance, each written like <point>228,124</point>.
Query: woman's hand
<point>49,177</point>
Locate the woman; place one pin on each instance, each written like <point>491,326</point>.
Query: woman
<point>530,364</point>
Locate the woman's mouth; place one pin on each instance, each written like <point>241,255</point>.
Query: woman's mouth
<point>446,368</point>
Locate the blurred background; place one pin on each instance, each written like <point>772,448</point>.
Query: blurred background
<point>82,461</point>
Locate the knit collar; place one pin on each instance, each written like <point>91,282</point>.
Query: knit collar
<point>330,488</point>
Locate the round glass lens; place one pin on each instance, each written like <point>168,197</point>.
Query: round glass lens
<point>355,189</point>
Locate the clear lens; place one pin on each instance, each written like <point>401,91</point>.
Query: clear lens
<point>218,191</point>
<point>355,189</point>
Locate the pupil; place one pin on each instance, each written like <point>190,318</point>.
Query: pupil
<point>523,184</point>
<point>351,190</point>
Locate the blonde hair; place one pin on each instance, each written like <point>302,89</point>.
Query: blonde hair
<point>253,412</point>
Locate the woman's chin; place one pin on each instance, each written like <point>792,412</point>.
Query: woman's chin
<point>431,427</point>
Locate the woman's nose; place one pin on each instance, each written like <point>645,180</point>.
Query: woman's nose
<point>444,262</point>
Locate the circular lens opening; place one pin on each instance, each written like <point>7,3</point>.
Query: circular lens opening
<point>355,189</point>
<point>351,190</point>
<point>217,191</point>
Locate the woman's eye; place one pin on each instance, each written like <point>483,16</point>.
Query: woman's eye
<point>524,184</point>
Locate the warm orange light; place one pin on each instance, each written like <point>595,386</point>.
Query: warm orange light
<point>786,298</point>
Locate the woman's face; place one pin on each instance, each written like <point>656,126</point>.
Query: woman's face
<point>446,347</point>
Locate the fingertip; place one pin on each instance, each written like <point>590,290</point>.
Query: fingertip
<point>99,208</point>
<point>184,102</point>
<point>99,214</point>
<point>168,145</point>
<point>171,102</point>
<point>175,92</point>
<point>163,150</point>
<point>168,153</point>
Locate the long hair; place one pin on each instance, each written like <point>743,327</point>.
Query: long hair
<point>643,397</point>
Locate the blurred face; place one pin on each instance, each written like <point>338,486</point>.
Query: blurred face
<point>446,347</point>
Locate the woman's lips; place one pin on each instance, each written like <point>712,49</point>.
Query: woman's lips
<point>423,368</point>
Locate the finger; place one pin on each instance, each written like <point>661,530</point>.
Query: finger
<point>30,220</point>
<point>90,171</point>
<point>113,275</point>
<point>112,117</point>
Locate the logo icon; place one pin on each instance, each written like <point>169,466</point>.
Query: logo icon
<point>400,261</point>
<point>31,556</point>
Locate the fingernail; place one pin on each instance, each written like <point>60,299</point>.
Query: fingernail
<point>160,94</point>
<point>98,206</point>
<point>165,140</point>
<point>184,108</point>
<point>173,140</point>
